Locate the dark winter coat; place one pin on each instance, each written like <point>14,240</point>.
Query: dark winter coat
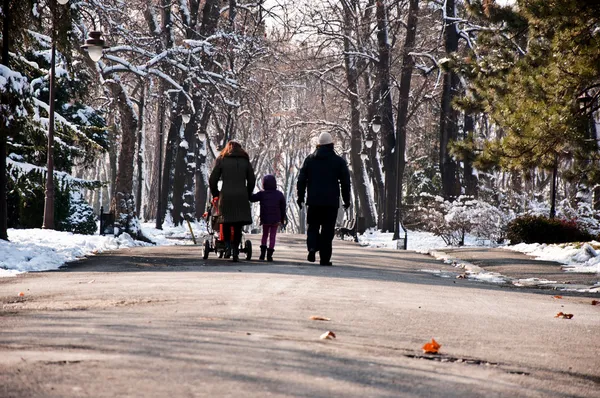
<point>322,173</point>
<point>272,202</point>
<point>238,183</point>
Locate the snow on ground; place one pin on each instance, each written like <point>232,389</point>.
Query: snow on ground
<point>42,249</point>
<point>418,241</point>
<point>577,257</point>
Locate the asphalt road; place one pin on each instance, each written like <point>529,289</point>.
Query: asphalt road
<point>158,322</point>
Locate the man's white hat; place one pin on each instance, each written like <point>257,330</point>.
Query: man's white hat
<point>325,138</point>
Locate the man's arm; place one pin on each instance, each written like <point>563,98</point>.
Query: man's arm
<point>282,208</point>
<point>302,179</point>
<point>345,183</point>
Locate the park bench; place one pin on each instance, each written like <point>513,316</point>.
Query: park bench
<point>348,228</point>
<point>107,222</point>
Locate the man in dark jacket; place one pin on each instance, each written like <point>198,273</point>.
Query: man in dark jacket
<point>322,173</point>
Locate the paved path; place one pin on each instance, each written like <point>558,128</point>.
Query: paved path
<point>156,322</point>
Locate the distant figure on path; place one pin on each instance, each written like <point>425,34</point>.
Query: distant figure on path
<point>234,169</point>
<point>322,173</point>
<point>272,214</point>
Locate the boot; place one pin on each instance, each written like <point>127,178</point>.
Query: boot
<point>263,252</point>
<point>270,254</point>
<point>235,253</point>
<point>227,252</point>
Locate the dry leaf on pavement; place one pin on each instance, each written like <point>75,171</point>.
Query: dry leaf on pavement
<point>432,347</point>
<point>319,318</point>
<point>563,315</point>
<point>328,335</point>
<point>21,294</point>
<point>595,302</point>
<point>557,297</point>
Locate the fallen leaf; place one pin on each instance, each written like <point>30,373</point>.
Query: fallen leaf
<point>432,347</point>
<point>92,281</point>
<point>557,297</point>
<point>328,335</point>
<point>21,294</point>
<point>319,318</point>
<point>563,315</point>
<point>595,302</point>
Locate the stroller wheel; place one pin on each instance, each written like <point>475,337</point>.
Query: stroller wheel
<point>206,249</point>
<point>248,249</point>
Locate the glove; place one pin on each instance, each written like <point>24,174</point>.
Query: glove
<point>346,206</point>
<point>300,203</point>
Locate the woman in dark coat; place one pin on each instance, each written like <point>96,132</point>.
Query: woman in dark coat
<point>234,169</point>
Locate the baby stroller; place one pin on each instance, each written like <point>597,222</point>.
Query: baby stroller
<point>216,242</point>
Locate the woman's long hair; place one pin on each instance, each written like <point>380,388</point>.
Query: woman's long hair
<point>233,147</point>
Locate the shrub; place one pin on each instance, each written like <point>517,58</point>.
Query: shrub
<point>540,229</point>
<point>81,218</point>
<point>453,220</point>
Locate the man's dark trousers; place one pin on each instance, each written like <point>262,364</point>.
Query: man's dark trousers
<point>321,230</point>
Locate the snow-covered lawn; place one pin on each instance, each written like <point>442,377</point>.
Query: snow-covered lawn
<point>42,250</point>
<point>575,257</point>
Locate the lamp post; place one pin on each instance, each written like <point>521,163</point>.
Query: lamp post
<point>94,44</point>
<point>48,222</point>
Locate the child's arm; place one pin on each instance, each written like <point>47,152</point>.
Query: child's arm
<point>256,196</point>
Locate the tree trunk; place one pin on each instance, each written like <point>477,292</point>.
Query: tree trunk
<point>469,178</point>
<point>448,115</point>
<point>182,189</point>
<point>140,159</point>
<point>173,139</point>
<point>387,116</point>
<point>359,175</point>
<point>403,99</point>
<point>122,204</point>
<point>3,129</point>
<point>201,166</point>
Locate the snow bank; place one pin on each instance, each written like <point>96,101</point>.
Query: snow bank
<point>42,250</point>
<point>418,241</point>
<point>577,257</point>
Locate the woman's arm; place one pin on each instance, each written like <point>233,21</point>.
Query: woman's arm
<point>214,178</point>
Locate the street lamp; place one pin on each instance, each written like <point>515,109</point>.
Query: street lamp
<point>369,140</point>
<point>185,117</point>
<point>48,222</point>
<point>201,135</point>
<point>376,124</point>
<point>94,44</point>
<point>364,155</point>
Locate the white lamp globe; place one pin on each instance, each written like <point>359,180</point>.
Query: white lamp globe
<point>63,2</point>
<point>95,53</point>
